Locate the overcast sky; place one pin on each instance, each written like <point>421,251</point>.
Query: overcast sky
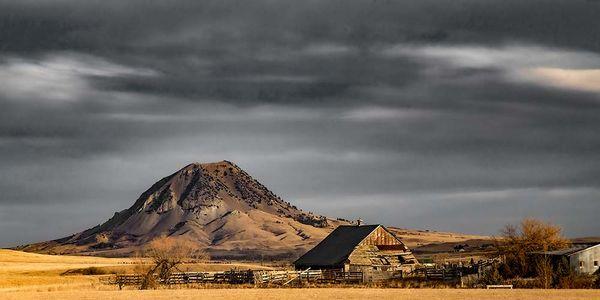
<point>456,115</point>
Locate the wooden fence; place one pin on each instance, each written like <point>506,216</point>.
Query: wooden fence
<point>334,276</point>
<point>453,272</point>
<point>308,276</point>
<point>246,277</point>
<point>231,277</point>
<point>122,280</point>
<point>436,274</point>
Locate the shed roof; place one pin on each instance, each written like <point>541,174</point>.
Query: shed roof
<point>336,247</point>
<point>566,251</point>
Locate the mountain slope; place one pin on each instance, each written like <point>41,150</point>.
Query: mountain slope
<point>216,205</point>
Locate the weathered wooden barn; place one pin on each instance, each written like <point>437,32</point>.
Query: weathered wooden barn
<point>583,259</point>
<point>370,249</point>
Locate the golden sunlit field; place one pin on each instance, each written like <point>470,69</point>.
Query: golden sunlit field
<point>321,293</point>
<point>21,271</point>
<point>35,276</point>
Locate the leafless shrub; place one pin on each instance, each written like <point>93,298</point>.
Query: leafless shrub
<point>491,276</point>
<point>572,280</point>
<point>544,272</point>
<point>167,254</point>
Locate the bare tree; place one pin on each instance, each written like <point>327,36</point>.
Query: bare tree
<point>543,268</point>
<point>531,235</point>
<point>167,254</point>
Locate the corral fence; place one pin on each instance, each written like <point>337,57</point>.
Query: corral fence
<point>453,272</point>
<point>231,277</point>
<point>244,277</point>
<point>436,274</point>
<point>308,276</point>
<point>335,276</point>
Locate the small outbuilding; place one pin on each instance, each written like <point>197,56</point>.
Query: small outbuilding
<point>583,259</point>
<point>370,249</point>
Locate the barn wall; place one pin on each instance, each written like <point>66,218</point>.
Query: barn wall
<point>587,257</point>
<point>377,264</point>
<point>372,275</point>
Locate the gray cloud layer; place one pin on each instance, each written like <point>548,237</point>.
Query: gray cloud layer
<point>451,115</point>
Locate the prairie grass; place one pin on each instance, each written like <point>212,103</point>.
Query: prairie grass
<point>327,293</point>
<point>29,271</point>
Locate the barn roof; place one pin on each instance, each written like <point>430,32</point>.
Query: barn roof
<point>336,247</point>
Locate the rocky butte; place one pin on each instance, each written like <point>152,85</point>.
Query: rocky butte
<point>216,205</point>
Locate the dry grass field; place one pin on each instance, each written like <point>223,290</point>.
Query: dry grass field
<point>325,293</point>
<point>414,238</point>
<point>21,271</point>
<point>36,276</point>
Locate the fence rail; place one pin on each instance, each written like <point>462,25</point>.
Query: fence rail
<point>339,276</point>
<point>452,272</point>
<point>232,277</point>
<point>245,277</point>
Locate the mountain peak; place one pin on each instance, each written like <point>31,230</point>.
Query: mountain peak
<point>208,203</point>
<point>206,184</point>
<point>216,164</point>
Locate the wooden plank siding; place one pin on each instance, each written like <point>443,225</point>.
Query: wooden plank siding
<point>380,236</point>
<point>380,256</point>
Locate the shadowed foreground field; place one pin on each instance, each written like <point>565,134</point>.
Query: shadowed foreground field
<point>326,293</point>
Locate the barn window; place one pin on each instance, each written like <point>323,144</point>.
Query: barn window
<point>595,263</point>
<point>581,263</point>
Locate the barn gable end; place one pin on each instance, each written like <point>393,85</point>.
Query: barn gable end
<point>380,255</point>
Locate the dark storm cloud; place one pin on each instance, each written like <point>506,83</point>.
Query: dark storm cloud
<point>335,105</point>
<point>102,24</point>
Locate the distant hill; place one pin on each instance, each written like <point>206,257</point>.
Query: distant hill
<point>590,240</point>
<point>426,242</point>
<point>216,205</point>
